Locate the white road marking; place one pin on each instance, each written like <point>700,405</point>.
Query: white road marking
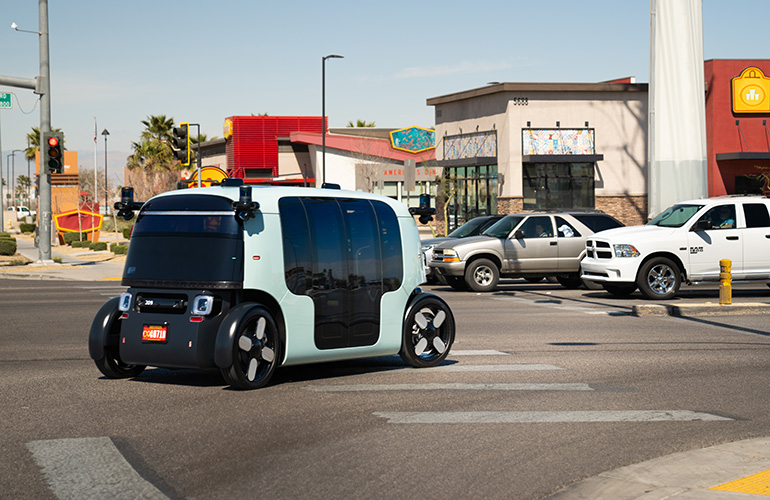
<point>489,368</point>
<point>449,387</point>
<point>90,468</point>
<point>480,352</point>
<point>517,417</point>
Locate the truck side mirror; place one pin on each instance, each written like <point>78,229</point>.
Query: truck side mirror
<point>701,225</point>
<point>519,234</point>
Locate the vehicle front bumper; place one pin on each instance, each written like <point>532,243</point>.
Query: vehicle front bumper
<point>448,268</point>
<point>615,270</point>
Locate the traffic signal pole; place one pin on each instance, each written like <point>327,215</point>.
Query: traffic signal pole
<point>44,218</point>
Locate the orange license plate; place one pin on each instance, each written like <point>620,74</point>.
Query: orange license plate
<point>154,333</point>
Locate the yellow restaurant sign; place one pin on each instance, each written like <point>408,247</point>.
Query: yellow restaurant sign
<point>751,92</point>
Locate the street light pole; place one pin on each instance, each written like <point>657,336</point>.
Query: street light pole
<point>106,206</point>
<point>323,114</point>
<point>13,174</point>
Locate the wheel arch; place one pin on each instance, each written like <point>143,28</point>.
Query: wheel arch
<point>668,255</point>
<point>223,352</point>
<point>103,329</point>
<point>494,258</point>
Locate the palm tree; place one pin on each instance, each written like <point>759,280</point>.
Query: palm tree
<point>33,138</point>
<point>360,123</point>
<point>158,127</point>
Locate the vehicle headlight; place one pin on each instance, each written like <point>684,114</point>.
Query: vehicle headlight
<point>625,250</point>
<point>450,255</point>
<point>202,305</point>
<point>125,302</point>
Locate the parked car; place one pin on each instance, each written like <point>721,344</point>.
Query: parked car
<point>684,244</point>
<point>22,212</point>
<point>473,227</point>
<point>524,245</point>
<point>220,280</point>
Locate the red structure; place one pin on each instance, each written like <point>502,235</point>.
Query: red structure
<point>738,137</point>
<point>252,145</point>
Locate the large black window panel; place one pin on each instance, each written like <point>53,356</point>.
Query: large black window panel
<point>756,215</point>
<point>343,253</point>
<point>189,241</point>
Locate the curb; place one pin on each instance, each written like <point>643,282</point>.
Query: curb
<point>707,309</point>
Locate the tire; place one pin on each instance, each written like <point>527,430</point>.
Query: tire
<point>428,332</point>
<point>482,275</point>
<point>457,283</point>
<point>113,367</point>
<point>256,351</point>
<point>620,290</point>
<point>103,346</point>
<point>659,279</point>
<point>571,281</point>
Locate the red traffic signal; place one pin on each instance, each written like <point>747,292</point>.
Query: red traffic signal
<point>53,154</point>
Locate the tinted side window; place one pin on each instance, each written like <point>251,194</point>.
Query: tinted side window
<point>296,246</point>
<point>756,215</point>
<point>597,222</point>
<point>538,227</point>
<point>390,239</point>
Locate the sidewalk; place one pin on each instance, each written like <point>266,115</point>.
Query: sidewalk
<point>728,471</point>
<point>72,267</point>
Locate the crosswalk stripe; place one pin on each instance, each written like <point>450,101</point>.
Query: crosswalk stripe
<point>90,468</point>
<point>480,352</point>
<point>517,417</point>
<point>449,387</point>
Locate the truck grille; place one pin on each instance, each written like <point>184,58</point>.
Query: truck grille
<point>598,249</point>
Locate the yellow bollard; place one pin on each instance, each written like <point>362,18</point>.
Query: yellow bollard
<point>725,282</point>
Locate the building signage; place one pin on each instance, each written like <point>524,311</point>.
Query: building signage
<point>750,91</point>
<point>5,100</point>
<point>413,139</point>
<point>562,141</point>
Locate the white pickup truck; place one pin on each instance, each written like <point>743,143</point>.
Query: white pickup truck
<point>684,244</point>
<point>22,212</point>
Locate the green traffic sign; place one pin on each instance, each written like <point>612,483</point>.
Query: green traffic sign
<point>5,100</point>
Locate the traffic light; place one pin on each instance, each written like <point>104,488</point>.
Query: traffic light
<point>180,143</point>
<point>52,154</point>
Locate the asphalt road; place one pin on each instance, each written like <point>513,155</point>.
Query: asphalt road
<point>545,387</point>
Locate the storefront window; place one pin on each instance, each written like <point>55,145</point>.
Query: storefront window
<point>472,191</point>
<point>558,185</point>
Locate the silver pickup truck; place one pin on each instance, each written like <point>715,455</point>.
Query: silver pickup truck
<point>524,245</point>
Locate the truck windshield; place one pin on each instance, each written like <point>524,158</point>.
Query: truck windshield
<point>503,227</point>
<point>675,216</point>
<point>186,241</point>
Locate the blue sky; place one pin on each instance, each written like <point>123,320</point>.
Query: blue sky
<point>204,61</point>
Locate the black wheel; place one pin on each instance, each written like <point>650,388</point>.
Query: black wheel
<point>620,290</point>
<point>429,330</point>
<point>571,281</point>
<point>659,279</point>
<point>482,275</point>
<point>256,351</point>
<point>457,283</point>
<point>113,367</point>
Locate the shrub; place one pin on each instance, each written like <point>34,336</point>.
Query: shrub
<point>27,228</point>
<point>81,244</point>
<point>127,232</point>
<point>99,246</point>
<point>7,246</point>
<point>5,235</point>
<point>119,249</point>
<point>70,237</point>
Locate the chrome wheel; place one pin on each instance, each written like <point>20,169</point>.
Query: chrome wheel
<point>659,279</point>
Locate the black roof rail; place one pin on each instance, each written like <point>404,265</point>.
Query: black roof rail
<point>329,185</point>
